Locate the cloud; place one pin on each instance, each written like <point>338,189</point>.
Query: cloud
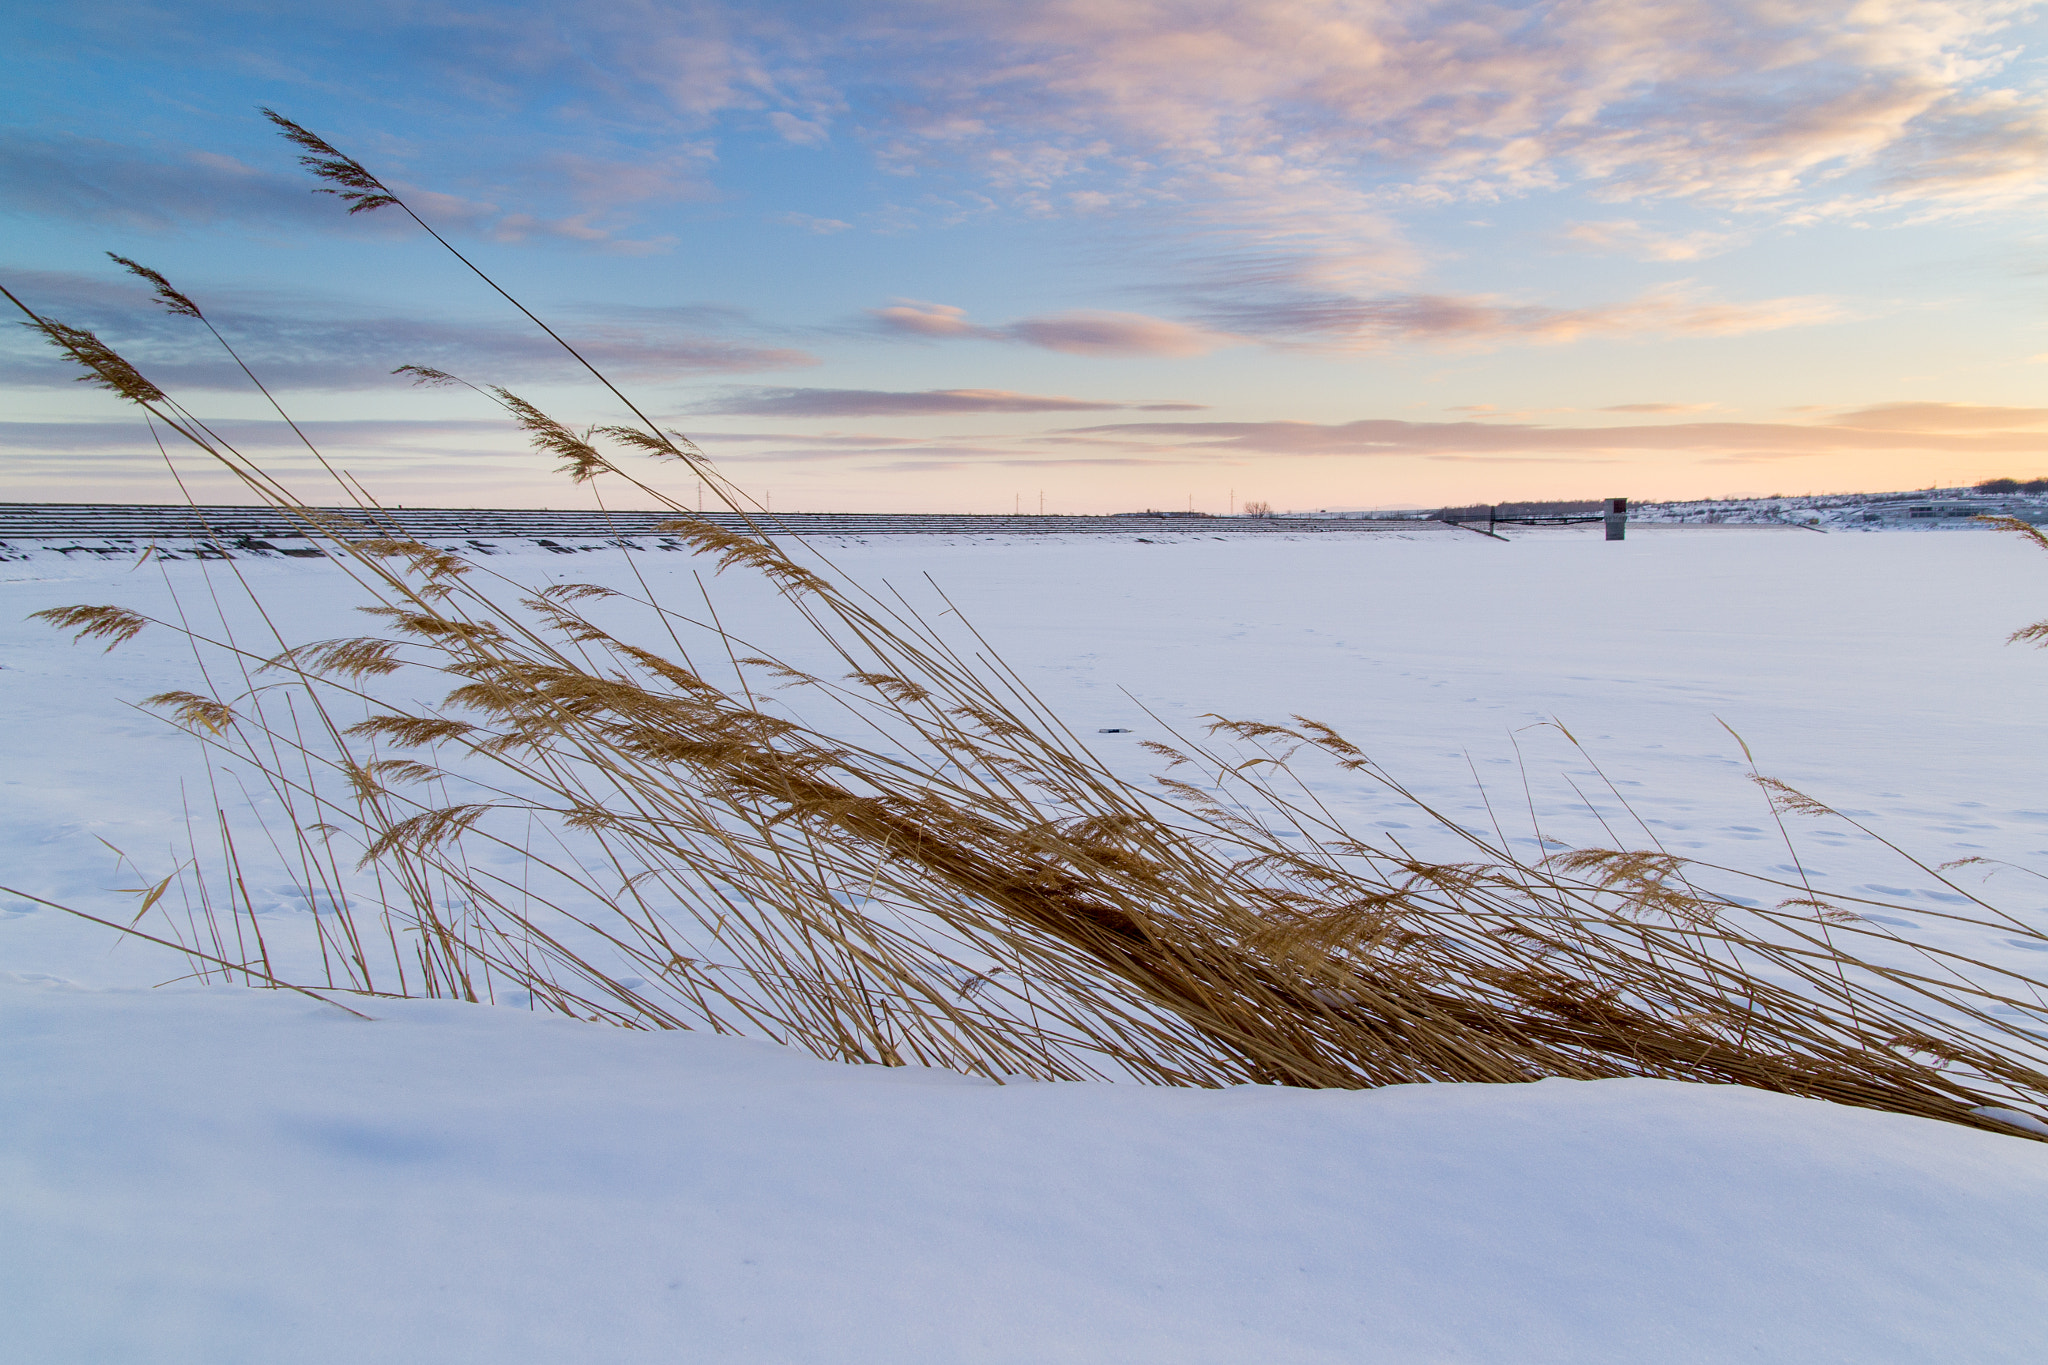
<point>1100,333</point>
<point>1626,237</point>
<point>66,461</point>
<point>1970,153</point>
<point>403,436</point>
<point>1660,409</point>
<point>309,343</point>
<point>854,441</point>
<point>893,456</point>
<point>1567,444</point>
<point>1492,412</point>
<point>823,227</point>
<point>1352,322</point>
<point>789,402</point>
<point>912,318</point>
<point>1283,126</point>
<point>57,175</point>
<point>803,132</point>
<point>1292,110</point>
<point>1941,417</point>
<point>533,119</point>
<point>101,450</point>
<point>42,449</point>
<point>154,188</point>
<point>940,464</point>
<point>1081,332</point>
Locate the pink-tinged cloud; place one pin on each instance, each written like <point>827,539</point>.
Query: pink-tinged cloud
<point>1075,333</point>
<point>839,440</point>
<point>1454,439</point>
<point>1289,110</point>
<point>799,402</point>
<point>1347,322</point>
<point>1297,122</point>
<point>1092,333</point>
<point>913,318</point>
<point>1941,417</point>
<point>1627,237</point>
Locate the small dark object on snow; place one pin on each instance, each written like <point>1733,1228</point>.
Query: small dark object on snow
<point>1114,730</point>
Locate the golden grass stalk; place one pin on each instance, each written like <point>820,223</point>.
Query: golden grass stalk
<point>592,816</point>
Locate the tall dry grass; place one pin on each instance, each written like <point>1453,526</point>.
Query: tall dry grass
<point>619,810</point>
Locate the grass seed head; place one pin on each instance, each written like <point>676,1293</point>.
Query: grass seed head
<point>581,460</point>
<point>346,177</point>
<point>193,711</point>
<point>349,659</point>
<point>170,298</point>
<point>426,376</point>
<point>115,625</point>
<point>411,731</point>
<point>103,366</point>
<point>661,445</point>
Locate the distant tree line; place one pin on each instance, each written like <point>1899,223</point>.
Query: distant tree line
<point>1525,509</point>
<point>2013,486</point>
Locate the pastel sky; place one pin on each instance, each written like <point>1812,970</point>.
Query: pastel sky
<point>965,254</point>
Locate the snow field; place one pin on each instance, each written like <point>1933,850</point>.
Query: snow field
<point>227,1176</point>
<point>222,1175</point>
<point>1869,671</point>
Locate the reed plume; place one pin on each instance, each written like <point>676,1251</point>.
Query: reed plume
<point>593,819</point>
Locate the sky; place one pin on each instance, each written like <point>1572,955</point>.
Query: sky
<point>1085,255</point>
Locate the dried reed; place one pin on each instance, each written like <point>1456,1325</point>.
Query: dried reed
<point>595,819</point>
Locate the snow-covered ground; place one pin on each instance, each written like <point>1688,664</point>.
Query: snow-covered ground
<point>1928,509</point>
<point>196,1174</point>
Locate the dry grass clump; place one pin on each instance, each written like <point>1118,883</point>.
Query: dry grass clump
<point>617,809</point>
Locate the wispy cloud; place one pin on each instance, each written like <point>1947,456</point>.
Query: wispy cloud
<point>1999,437</point>
<point>1104,333</point>
<point>796,402</point>
<point>1084,332</point>
<point>939,463</point>
<point>820,227</point>
<point>910,317</point>
<point>1955,428</point>
<point>1298,125</point>
<point>398,436</point>
<point>1280,109</point>
<point>856,441</point>
<point>69,460</point>
<point>1942,417</point>
<point>308,343</point>
<point>154,188</point>
<point>83,179</point>
<point>1351,322</point>
<point>1627,237</point>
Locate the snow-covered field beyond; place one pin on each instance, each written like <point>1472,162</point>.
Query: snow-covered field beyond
<point>220,1175</point>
